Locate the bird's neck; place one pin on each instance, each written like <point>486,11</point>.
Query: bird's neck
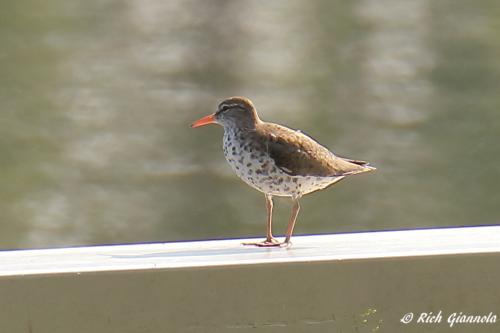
<point>241,126</point>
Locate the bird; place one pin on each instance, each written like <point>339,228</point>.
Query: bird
<point>276,160</point>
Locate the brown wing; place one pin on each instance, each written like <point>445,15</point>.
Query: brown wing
<point>299,155</point>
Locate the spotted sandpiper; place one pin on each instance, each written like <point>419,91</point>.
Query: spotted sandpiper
<point>276,160</point>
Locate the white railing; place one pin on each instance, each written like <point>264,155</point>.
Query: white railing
<point>362,282</point>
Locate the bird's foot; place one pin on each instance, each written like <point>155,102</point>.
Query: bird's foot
<point>286,243</point>
<point>270,242</point>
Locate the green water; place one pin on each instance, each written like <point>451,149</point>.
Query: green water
<point>96,98</point>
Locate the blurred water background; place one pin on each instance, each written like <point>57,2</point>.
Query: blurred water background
<point>96,98</point>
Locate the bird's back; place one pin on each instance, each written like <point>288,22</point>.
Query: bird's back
<point>298,154</point>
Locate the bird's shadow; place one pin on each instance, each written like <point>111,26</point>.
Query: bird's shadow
<point>243,250</point>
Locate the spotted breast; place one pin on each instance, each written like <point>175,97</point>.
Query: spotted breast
<point>249,156</point>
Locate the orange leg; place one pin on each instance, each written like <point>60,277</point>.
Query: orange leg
<point>270,240</point>
<point>291,223</point>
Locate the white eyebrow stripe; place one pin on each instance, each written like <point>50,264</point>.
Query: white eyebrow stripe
<point>228,106</point>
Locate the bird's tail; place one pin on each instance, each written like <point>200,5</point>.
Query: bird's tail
<point>363,166</point>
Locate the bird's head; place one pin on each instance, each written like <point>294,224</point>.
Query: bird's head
<point>237,112</point>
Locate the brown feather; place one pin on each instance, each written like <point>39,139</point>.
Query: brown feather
<point>300,155</point>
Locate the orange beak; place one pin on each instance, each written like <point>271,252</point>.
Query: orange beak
<point>210,119</point>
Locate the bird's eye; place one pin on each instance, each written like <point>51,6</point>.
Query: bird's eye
<point>224,108</point>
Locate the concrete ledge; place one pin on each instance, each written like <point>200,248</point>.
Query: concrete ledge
<point>363,282</point>
<point>370,245</point>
